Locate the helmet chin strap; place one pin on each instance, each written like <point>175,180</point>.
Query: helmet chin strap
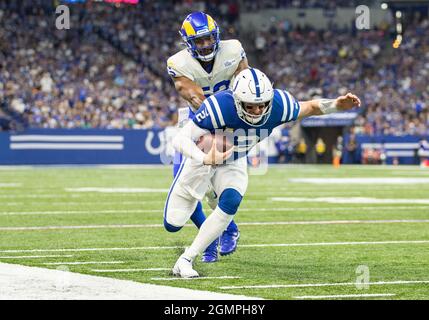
<point>253,120</point>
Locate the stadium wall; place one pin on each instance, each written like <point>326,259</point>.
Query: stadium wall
<point>397,149</point>
<point>91,146</point>
<point>78,146</point>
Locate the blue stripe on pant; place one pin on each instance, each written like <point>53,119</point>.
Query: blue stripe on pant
<point>198,216</point>
<point>168,226</point>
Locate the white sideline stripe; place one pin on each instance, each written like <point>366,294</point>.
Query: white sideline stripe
<point>270,223</point>
<point>374,208</point>
<point>364,295</point>
<point>350,200</point>
<point>361,180</point>
<point>75,138</point>
<point>265,245</point>
<point>21,282</point>
<point>129,270</point>
<point>309,285</point>
<point>117,190</point>
<point>66,146</point>
<point>81,262</point>
<point>38,257</point>
<point>199,278</point>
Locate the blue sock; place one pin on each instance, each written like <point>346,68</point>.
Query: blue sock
<point>198,217</point>
<point>232,227</point>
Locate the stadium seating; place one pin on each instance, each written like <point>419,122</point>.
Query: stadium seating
<point>108,70</point>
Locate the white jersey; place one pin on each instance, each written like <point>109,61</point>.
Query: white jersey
<point>226,61</point>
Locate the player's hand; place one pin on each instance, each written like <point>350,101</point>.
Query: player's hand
<point>196,101</point>
<point>347,102</point>
<point>215,157</point>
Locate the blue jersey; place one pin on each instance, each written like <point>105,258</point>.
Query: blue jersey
<point>218,112</point>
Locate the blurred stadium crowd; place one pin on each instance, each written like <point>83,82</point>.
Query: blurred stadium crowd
<point>108,70</point>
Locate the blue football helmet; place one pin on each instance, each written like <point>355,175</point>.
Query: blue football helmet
<point>199,25</point>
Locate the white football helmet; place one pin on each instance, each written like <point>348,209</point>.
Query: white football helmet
<point>252,86</point>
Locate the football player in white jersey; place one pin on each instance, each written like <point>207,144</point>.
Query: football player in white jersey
<point>206,66</point>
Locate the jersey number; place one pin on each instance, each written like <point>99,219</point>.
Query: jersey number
<point>223,85</point>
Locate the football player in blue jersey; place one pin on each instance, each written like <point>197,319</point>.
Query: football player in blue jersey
<point>207,65</point>
<point>250,111</point>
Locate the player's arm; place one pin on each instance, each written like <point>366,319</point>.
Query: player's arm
<point>189,91</point>
<point>244,64</point>
<point>324,106</point>
<point>184,142</point>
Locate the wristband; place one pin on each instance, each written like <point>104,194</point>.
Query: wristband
<point>327,106</point>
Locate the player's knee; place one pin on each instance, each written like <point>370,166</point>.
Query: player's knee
<point>170,228</point>
<point>174,220</point>
<point>229,201</point>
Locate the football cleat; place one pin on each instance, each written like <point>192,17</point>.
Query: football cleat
<point>228,242</point>
<point>183,268</point>
<point>211,253</point>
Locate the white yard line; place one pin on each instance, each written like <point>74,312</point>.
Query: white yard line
<point>41,196</point>
<point>31,283</point>
<point>323,222</point>
<point>343,296</point>
<point>38,257</point>
<point>370,181</point>
<point>129,270</point>
<point>81,263</point>
<point>367,208</point>
<point>311,285</point>
<point>199,278</point>
<point>357,200</point>
<point>19,213</point>
<point>83,203</point>
<point>268,223</point>
<point>10,185</point>
<point>283,209</point>
<point>332,244</point>
<point>266,245</point>
<point>117,190</point>
<point>79,195</point>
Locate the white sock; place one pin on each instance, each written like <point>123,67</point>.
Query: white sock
<point>211,229</point>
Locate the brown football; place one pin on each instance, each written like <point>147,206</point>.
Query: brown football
<point>223,142</point>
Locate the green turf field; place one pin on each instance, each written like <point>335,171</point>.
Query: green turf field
<point>310,244</point>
